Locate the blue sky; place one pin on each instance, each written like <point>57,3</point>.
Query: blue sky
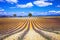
<point>36,7</point>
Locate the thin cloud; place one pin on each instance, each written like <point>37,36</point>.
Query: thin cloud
<point>58,6</point>
<point>42,0</point>
<point>1,0</point>
<point>53,11</point>
<point>45,0</point>
<point>12,7</point>
<point>1,9</point>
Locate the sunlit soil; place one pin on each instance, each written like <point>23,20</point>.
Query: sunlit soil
<point>32,35</point>
<point>30,28</point>
<point>15,36</point>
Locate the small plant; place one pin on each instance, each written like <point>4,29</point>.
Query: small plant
<point>19,38</point>
<point>57,32</point>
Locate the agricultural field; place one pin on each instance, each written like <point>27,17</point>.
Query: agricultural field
<point>30,28</point>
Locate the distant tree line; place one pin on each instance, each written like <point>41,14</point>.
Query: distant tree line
<point>30,14</point>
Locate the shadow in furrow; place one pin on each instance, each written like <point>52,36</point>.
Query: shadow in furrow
<point>38,26</point>
<point>38,31</point>
<point>15,32</point>
<point>25,32</point>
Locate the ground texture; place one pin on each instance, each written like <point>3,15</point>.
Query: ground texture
<point>32,28</point>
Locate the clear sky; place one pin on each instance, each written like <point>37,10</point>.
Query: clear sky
<point>36,7</point>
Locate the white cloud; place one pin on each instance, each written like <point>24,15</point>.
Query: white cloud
<point>45,0</point>
<point>42,3</point>
<point>53,11</point>
<point>25,5</point>
<point>42,0</point>
<point>43,13</point>
<point>58,6</point>
<point>1,10</point>
<point>12,1</point>
<point>58,12</point>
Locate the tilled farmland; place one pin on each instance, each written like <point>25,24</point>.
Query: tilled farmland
<point>31,28</point>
